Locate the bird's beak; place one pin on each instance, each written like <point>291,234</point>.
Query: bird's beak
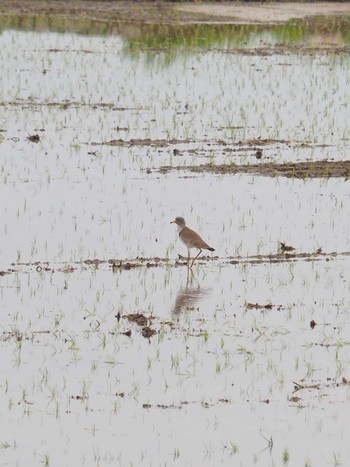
<point>172,222</point>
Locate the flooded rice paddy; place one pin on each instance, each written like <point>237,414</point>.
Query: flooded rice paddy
<point>113,353</point>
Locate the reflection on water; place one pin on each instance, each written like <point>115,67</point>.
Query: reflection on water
<point>189,295</point>
<point>143,36</point>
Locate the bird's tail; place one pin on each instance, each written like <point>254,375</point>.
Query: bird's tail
<point>211,249</point>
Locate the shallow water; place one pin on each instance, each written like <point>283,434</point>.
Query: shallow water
<point>217,378</point>
<point>215,384</point>
<point>76,197</point>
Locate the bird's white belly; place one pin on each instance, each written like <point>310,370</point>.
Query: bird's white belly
<point>187,245</point>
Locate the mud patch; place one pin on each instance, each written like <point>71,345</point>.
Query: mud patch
<point>265,13</point>
<point>167,13</point>
<point>118,265</point>
<point>257,306</point>
<point>300,170</point>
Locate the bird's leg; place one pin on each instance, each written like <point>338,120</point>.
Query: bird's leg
<point>200,251</point>
<point>189,277</point>
<point>188,258</point>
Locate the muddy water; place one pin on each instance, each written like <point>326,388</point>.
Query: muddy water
<point>244,362</point>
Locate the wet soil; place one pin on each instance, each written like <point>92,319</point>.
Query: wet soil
<point>118,265</point>
<point>300,170</point>
<point>265,12</point>
<point>172,12</point>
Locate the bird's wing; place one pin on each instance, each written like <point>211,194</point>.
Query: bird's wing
<point>192,238</point>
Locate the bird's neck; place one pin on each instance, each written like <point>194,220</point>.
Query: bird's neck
<point>180,229</point>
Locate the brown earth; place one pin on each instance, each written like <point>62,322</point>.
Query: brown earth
<point>266,12</point>
<point>168,12</point>
<point>301,170</point>
<point>119,265</point>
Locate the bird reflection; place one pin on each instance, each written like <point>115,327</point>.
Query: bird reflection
<point>188,295</point>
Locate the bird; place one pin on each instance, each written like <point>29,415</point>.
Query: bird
<point>190,238</point>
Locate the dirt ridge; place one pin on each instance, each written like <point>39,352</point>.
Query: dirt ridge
<point>172,12</point>
<point>300,170</point>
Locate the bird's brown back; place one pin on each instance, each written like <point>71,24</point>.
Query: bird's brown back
<point>192,239</point>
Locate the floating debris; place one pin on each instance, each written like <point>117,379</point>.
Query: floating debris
<point>126,333</point>
<point>147,332</point>
<point>256,306</point>
<point>33,138</point>
<point>137,318</point>
<point>285,247</point>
